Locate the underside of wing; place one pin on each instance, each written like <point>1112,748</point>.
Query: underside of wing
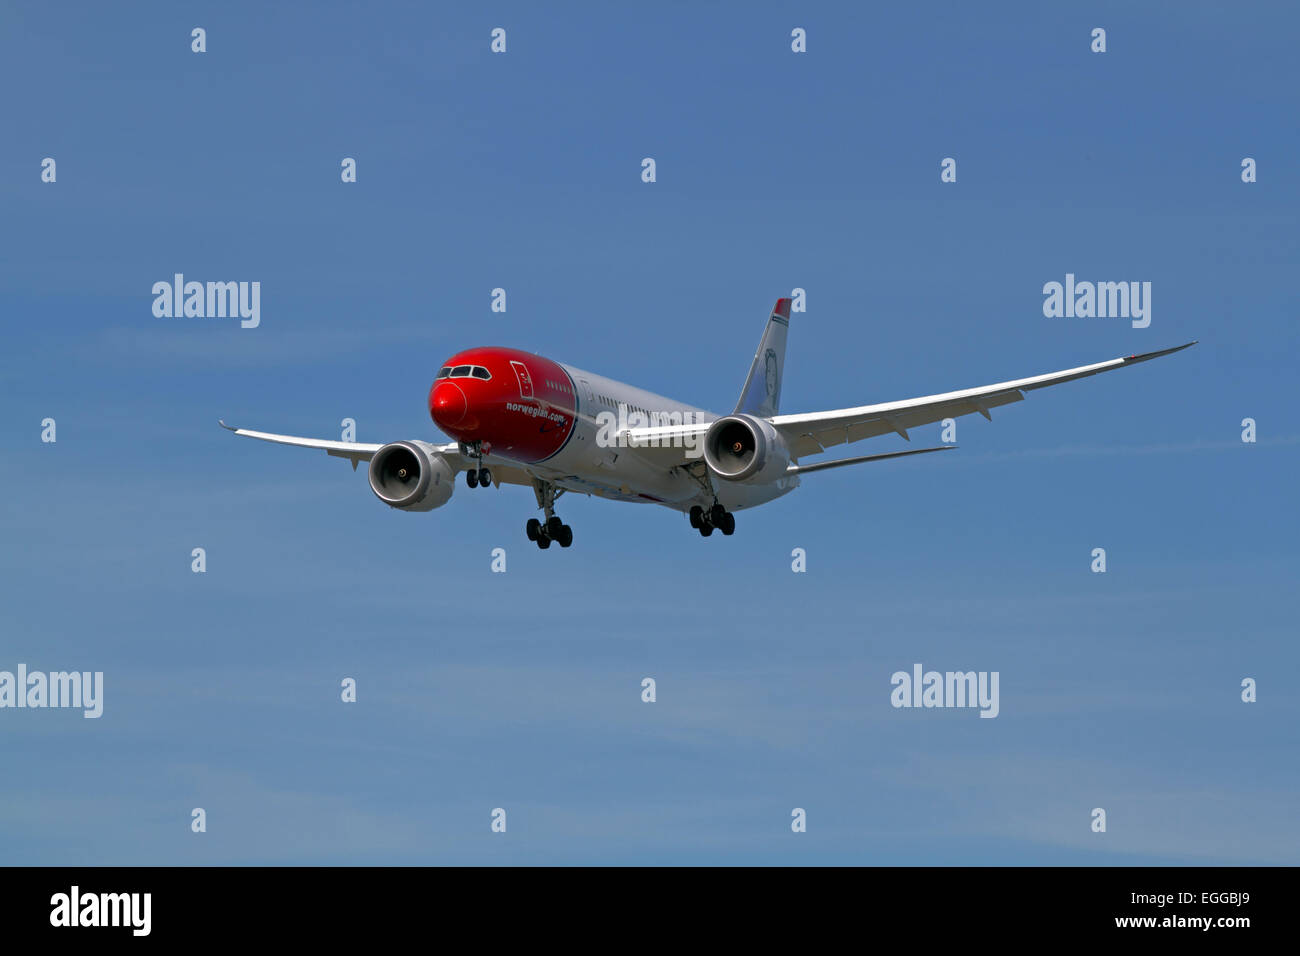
<point>666,446</point>
<point>861,459</point>
<point>811,433</point>
<point>502,472</point>
<point>356,451</point>
<point>506,474</point>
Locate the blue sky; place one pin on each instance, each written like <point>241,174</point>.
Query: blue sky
<point>522,690</point>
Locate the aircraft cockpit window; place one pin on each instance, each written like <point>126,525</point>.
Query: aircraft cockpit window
<point>445,371</point>
<point>481,372</point>
<point>460,371</point>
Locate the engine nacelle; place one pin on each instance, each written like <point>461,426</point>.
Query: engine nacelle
<point>747,449</point>
<point>412,476</point>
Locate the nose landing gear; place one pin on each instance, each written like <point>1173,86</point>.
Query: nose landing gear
<point>479,477</point>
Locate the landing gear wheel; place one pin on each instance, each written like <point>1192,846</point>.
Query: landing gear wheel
<point>471,478</point>
<point>533,529</point>
<point>716,515</point>
<point>728,525</point>
<point>706,530</point>
<point>485,477</point>
<point>543,542</point>
<point>697,516</point>
<point>553,526</point>
<point>565,537</point>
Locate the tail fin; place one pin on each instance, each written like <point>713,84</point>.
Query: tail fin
<point>762,392</point>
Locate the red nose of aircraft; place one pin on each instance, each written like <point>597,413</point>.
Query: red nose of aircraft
<point>519,403</point>
<point>447,404</point>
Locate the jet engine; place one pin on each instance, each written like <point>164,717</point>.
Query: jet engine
<point>746,449</point>
<point>412,476</point>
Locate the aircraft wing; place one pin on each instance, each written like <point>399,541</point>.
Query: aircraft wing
<point>502,472</point>
<point>811,433</point>
<point>666,446</point>
<point>356,451</point>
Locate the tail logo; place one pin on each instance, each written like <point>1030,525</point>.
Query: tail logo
<point>772,377</point>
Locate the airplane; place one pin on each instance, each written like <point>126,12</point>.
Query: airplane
<point>521,419</point>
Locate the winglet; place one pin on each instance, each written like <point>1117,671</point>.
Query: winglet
<point>1150,355</point>
<point>223,424</point>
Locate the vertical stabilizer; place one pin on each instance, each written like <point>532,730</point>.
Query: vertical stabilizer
<point>761,395</point>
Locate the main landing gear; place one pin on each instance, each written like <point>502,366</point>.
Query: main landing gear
<point>706,519</point>
<point>479,477</point>
<point>552,529</point>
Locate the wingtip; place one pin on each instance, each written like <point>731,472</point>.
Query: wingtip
<point>229,428</point>
<point>1144,356</point>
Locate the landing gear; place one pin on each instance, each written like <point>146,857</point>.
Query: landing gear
<point>705,520</point>
<point>553,529</point>
<point>479,477</point>
<point>544,534</point>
